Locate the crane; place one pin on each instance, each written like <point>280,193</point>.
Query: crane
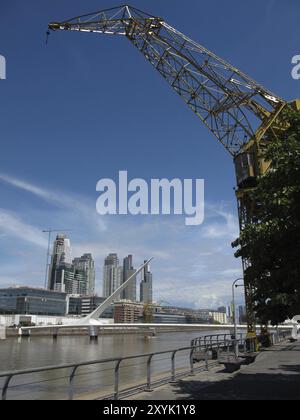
<point>241,113</point>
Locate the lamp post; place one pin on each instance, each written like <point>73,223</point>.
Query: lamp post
<point>236,346</point>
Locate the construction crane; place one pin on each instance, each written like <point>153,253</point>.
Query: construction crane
<point>242,114</point>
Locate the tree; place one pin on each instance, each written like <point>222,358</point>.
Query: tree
<point>272,241</point>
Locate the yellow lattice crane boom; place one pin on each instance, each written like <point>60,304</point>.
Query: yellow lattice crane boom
<point>237,110</point>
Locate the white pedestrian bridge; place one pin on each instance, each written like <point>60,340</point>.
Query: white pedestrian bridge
<point>94,323</point>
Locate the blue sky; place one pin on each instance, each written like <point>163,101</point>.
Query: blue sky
<point>86,106</point>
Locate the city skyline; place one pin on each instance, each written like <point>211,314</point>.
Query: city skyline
<point>161,139</point>
<point>62,261</point>
<point>114,274</point>
<point>98,282</point>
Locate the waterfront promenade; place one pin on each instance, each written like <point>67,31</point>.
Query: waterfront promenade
<point>274,376</point>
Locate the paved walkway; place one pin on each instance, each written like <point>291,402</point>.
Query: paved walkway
<point>274,376</point>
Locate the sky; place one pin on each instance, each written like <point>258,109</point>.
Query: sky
<point>86,106</point>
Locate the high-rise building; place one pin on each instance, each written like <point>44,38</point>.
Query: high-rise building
<point>128,270</point>
<point>71,277</point>
<point>112,275</point>
<point>85,269</point>
<point>64,278</point>
<point>146,294</point>
<point>61,256</point>
<point>80,282</point>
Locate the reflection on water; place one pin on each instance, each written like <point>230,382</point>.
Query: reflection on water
<point>24,353</point>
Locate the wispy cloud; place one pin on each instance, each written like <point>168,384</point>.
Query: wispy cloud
<point>227,227</point>
<point>23,185</point>
<point>76,204</point>
<point>192,266</point>
<point>210,295</point>
<point>11,224</point>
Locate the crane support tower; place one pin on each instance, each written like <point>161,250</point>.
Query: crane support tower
<point>242,114</point>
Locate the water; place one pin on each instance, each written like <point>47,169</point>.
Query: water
<point>24,353</point>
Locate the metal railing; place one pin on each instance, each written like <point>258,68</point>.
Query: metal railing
<point>207,344</point>
<point>215,339</point>
<point>151,381</point>
<point>280,336</point>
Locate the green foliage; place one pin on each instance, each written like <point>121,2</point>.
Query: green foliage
<point>272,241</point>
